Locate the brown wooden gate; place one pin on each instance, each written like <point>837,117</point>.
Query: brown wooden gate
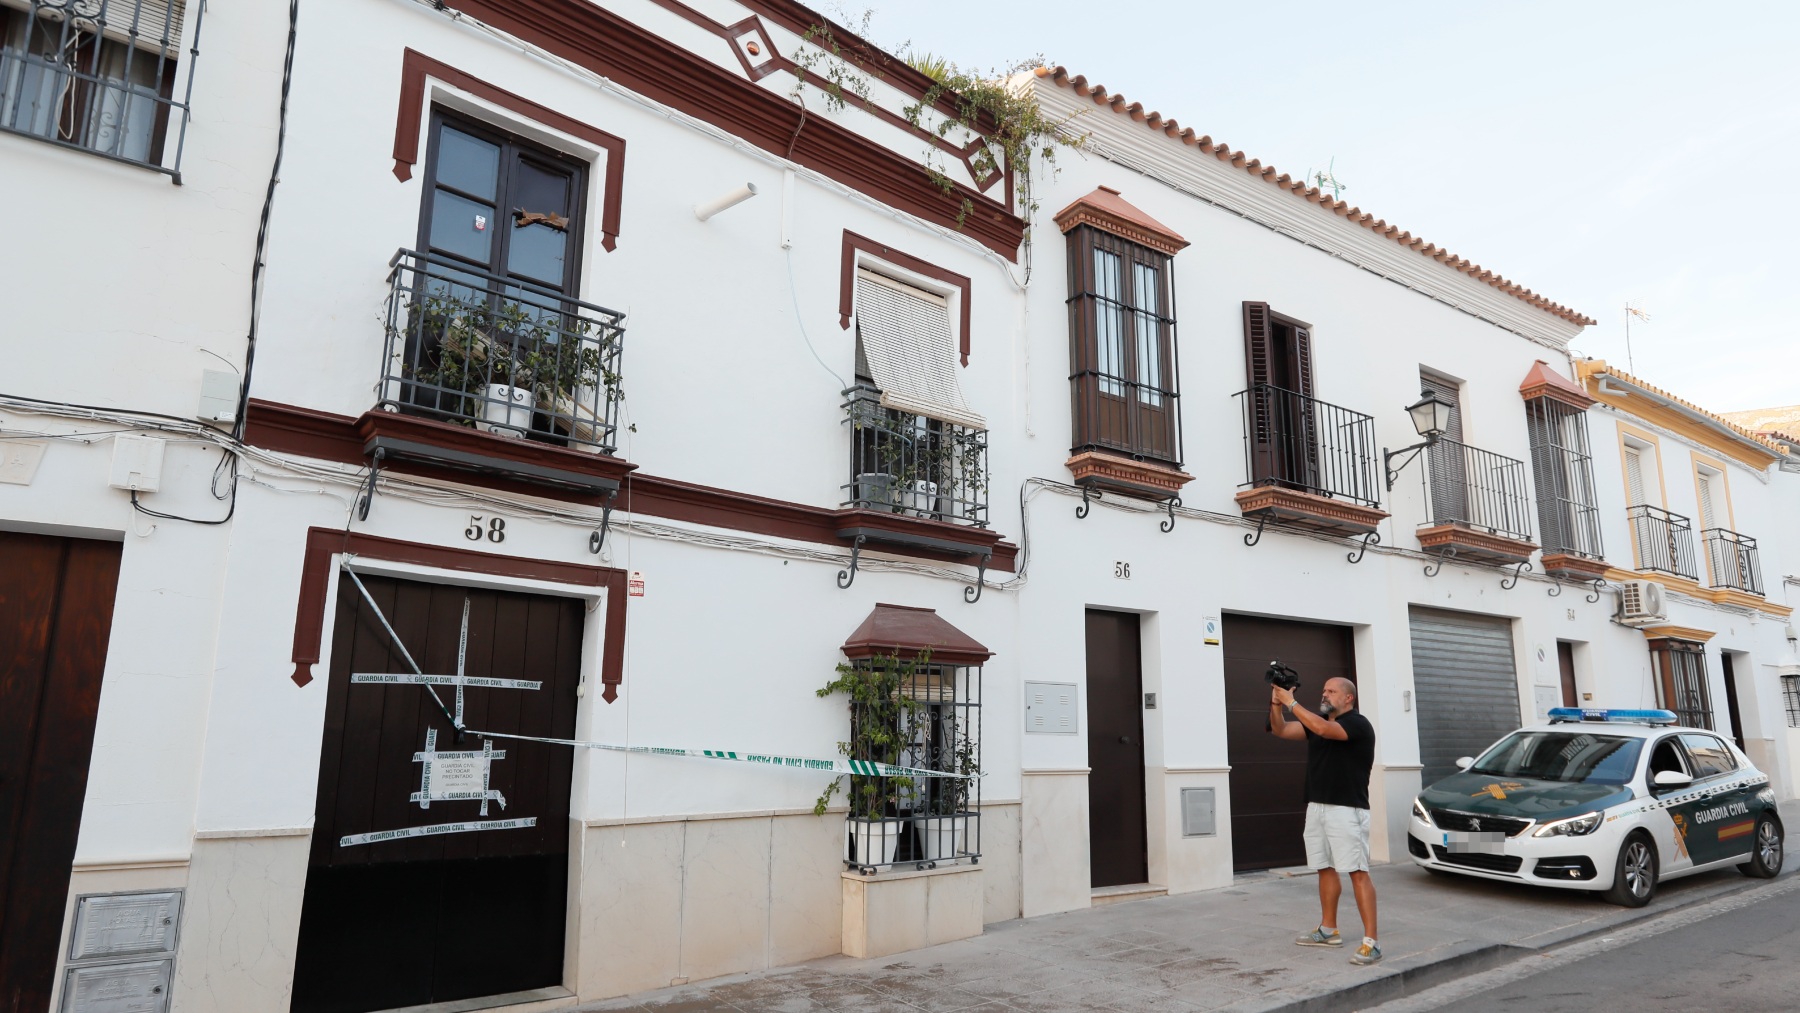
<point>1268,775</point>
<point>1118,845</point>
<point>56,609</point>
<point>453,916</point>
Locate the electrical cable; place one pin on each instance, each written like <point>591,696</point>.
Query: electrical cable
<point>262,229</point>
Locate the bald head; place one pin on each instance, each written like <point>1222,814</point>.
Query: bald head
<point>1338,697</point>
<point>1342,685</point>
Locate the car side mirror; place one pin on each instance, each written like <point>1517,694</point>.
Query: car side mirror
<point>1465,762</point>
<point>1669,779</point>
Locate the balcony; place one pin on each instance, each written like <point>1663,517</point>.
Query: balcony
<point>1480,509</point>
<point>1307,463</point>
<point>914,480</point>
<point>1664,540</point>
<point>1732,558</point>
<point>494,375</point>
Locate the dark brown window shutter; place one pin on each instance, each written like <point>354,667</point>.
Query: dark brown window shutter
<point>1256,343</point>
<point>1303,364</point>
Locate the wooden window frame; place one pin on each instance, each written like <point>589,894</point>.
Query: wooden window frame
<point>511,144</point>
<point>1150,433</point>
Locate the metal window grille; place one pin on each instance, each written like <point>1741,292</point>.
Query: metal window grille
<point>912,713</point>
<point>1680,668</point>
<point>1563,468</point>
<point>1732,558</point>
<point>1478,488</point>
<point>1122,336</point>
<point>1302,443</point>
<point>914,465</point>
<point>510,357</point>
<point>99,75</point>
<point>1790,695</point>
<point>1665,541</point>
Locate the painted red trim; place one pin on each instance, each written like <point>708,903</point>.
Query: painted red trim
<point>881,251</point>
<point>416,67</point>
<point>324,543</point>
<point>306,432</point>
<point>608,44</point>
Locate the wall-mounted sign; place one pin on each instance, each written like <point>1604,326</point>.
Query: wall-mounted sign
<point>1209,630</point>
<point>634,585</point>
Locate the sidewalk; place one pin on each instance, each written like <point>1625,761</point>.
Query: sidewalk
<point>1230,949</point>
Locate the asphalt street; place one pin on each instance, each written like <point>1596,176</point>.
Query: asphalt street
<point>1729,955</point>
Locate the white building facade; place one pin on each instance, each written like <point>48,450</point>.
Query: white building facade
<point>655,365</point>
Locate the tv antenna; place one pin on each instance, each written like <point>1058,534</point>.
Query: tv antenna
<point>1327,179</point>
<point>1641,314</point>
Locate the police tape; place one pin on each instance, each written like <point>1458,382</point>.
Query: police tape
<point>469,826</point>
<point>861,768</point>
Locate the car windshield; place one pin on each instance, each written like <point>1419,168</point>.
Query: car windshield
<point>1563,756</point>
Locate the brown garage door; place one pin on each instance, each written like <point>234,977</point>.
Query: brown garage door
<point>56,608</point>
<point>438,918</point>
<point>1268,775</point>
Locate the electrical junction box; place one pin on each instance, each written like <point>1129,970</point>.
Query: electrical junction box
<point>1050,708</point>
<point>137,463</point>
<point>218,397</point>
<point>1199,813</point>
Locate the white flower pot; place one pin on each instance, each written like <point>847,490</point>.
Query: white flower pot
<point>943,838</point>
<point>875,841</point>
<point>506,410</point>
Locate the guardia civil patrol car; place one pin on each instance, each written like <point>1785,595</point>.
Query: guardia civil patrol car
<point>1605,800</point>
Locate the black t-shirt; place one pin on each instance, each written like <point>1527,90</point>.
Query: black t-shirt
<point>1337,773</point>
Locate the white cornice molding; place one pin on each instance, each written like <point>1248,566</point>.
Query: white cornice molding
<point>1128,143</point>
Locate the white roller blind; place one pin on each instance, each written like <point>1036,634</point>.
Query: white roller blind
<point>1634,476</point>
<point>1708,513</point>
<point>150,19</point>
<point>911,352</point>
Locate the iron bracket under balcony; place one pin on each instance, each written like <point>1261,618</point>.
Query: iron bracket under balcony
<point>1574,566</point>
<point>1468,545</point>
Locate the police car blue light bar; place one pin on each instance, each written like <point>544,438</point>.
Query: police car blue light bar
<point>1638,717</point>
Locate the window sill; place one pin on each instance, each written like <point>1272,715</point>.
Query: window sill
<point>1472,546</point>
<point>429,447</point>
<point>1569,566</point>
<point>898,529</point>
<point>1142,479</point>
<point>1308,510</point>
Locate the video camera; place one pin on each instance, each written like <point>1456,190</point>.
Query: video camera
<point>1281,675</point>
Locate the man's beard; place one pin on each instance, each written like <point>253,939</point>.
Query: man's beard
<point>1326,710</point>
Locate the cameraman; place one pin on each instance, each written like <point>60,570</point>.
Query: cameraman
<point>1340,751</point>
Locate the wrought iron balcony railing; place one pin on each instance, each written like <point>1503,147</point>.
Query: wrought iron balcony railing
<point>1305,444</point>
<point>1664,540</point>
<point>1564,470</point>
<point>1478,488</point>
<point>913,465</point>
<point>504,355</point>
<point>99,75</point>
<point>1732,558</point>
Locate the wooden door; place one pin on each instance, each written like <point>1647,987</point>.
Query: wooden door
<point>1731,698</point>
<point>1268,775</point>
<point>56,608</point>
<point>453,916</point>
<point>1118,847</point>
<point>1565,664</point>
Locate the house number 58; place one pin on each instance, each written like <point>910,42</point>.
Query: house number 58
<point>493,531</point>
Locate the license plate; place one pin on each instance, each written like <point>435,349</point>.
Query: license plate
<point>1474,842</point>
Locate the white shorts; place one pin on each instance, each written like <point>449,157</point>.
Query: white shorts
<point>1337,837</point>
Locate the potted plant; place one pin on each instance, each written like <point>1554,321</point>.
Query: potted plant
<point>944,830</point>
<point>880,715</point>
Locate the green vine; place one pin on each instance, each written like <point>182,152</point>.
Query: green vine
<point>880,713</point>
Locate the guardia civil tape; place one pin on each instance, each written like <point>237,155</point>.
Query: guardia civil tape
<point>862,768</point>
<point>466,827</point>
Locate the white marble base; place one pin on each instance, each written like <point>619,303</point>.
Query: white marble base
<point>240,925</point>
<point>1000,860</point>
<point>897,911</point>
<point>1185,864</point>
<point>1053,837</point>
<point>1391,793</point>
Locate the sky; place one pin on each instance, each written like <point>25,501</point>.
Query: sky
<point>1597,153</point>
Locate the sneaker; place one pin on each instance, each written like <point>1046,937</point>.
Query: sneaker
<point>1319,937</point>
<point>1366,954</point>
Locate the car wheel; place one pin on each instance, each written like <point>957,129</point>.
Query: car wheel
<point>1765,861</point>
<point>1634,875</point>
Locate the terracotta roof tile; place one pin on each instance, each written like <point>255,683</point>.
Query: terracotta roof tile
<point>907,632</point>
<point>1589,369</point>
<point>1079,84</point>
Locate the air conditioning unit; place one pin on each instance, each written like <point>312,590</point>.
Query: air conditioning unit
<point>1641,603</point>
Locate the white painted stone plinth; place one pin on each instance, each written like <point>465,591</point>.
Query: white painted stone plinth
<point>895,911</point>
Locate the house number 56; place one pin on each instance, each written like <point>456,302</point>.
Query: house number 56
<point>1122,569</point>
<point>493,531</point>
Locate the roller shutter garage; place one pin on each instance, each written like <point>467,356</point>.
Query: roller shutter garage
<point>1465,683</point>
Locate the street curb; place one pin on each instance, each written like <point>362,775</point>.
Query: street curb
<point>1418,978</point>
<point>1405,981</point>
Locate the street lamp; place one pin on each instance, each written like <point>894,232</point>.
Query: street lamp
<point>1431,418</point>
